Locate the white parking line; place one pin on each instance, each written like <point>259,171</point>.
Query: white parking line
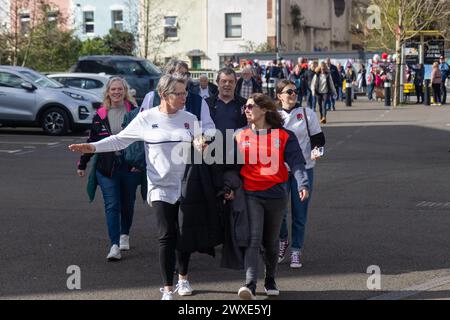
<point>9,151</point>
<point>30,143</point>
<point>415,290</point>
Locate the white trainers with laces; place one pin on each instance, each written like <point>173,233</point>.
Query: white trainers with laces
<point>124,242</point>
<point>295,259</point>
<point>184,288</point>
<point>167,295</point>
<point>114,253</point>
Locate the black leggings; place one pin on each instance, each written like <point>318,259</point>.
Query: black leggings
<point>437,92</point>
<point>167,221</point>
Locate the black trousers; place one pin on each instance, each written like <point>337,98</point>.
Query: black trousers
<point>167,222</point>
<point>419,92</point>
<point>443,92</point>
<point>437,92</point>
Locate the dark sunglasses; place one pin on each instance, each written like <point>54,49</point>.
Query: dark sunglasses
<point>290,92</point>
<point>249,106</point>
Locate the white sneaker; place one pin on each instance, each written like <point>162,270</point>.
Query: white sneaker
<point>167,295</point>
<point>114,253</point>
<point>295,259</point>
<point>184,288</point>
<point>124,242</point>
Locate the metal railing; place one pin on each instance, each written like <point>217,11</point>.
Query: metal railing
<point>210,74</point>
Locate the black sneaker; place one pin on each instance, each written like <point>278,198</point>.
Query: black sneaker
<point>271,287</point>
<point>248,292</point>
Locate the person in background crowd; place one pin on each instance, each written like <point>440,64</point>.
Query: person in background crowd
<point>247,85</point>
<point>436,82</point>
<point>118,181</point>
<point>204,88</point>
<point>362,75</point>
<point>323,88</point>
<point>337,81</point>
<point>445,72</point>
<point>194,103</point>
<point>371,83</point>
<point>350,77</point>
<point>264,185</point>
<point>312,101</point>
<point>419,75</point>
<point>342,77</point>
<point>304,124</point>
<point>298,76</point>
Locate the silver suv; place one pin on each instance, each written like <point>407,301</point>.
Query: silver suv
<point>28,98</point>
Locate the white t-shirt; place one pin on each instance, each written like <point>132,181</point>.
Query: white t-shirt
<point>204,93</point>
<point>167,140</point>
<point>295,122</point>
<point>207,123</point>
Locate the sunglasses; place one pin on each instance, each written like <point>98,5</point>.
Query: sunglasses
<point>290,92</point>
<point>249,107</point>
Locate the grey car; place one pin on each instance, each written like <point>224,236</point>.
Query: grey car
<point>28,98</point>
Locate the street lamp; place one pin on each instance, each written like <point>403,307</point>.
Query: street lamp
<point>278,28</point>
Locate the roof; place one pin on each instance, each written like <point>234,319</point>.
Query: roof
<point>116,58</point>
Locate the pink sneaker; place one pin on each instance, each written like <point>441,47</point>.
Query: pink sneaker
<point>295,259</point>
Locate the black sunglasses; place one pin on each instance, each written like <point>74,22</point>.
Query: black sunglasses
<point>249,106</point>
<point>290,92</point>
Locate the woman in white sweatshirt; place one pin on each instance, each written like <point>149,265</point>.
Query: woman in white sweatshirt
<point>168,132</point>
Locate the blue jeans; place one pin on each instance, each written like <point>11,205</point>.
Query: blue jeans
<point>119,194</point>
<point>299,213</point>
<point>312,101</point>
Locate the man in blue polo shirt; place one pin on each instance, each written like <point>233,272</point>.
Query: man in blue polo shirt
<point>226,108</point>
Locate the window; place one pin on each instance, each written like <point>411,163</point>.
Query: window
<point>24,23</point>
<point>117,19</point>
<point>88,21</point>
<point>83,83</point>
<point>52,16</point>
<point>233,26</point>
<point>10,80</point>
<point>170,27</point>
<point>129,68</point>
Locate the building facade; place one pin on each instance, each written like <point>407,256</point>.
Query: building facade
<point>235,26</point>
<point>95,18</point>
<point>174,28</point>
<point>313,25</point>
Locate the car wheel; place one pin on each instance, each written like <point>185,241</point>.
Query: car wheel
<point>55,122</point>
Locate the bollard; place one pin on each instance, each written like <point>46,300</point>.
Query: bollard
<point>426,93</point>
<point>387,93</point>
<point>348,94</point>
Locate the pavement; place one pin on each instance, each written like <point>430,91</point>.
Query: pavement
<point>381,198</point>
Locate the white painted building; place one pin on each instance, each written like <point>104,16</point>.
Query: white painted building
<point>5,7</point>
<point>233,26</point>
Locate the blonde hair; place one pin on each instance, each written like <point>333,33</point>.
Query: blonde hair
<point>436,65</point>
<point>126,91</point>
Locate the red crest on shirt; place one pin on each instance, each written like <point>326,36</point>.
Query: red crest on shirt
<point>186,126</point>
<point>299,117</point>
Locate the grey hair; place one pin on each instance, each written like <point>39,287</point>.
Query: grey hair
<point>174,65</point>
<point>203,75</point>
<point>168,82</point>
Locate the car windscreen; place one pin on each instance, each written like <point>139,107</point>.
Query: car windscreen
<point>129,68</point>
<point>41,80</point>
<point>151,68</point>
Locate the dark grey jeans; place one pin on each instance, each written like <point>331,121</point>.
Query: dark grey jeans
<point>265,218</point>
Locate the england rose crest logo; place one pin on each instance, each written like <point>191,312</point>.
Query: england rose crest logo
<point>186,126</point>
<point>300,117</point>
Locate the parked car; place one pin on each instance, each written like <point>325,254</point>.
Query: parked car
<point>28,98</point>
<point>93,82</point>
<point>140,74</point>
